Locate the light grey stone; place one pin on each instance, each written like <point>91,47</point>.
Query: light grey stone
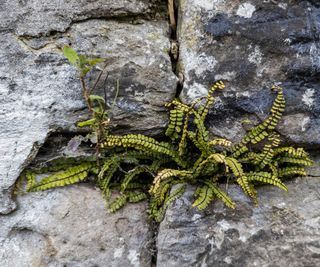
<point>70,227</point>
<point>40,91</point>
<point>42,17</point>
<point>252,45</point>
<point>283,230</point>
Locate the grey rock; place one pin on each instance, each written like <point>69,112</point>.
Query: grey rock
<point>35,18</point>
<point>70,227</point>
<point>314,170</point>
<point>40,91</point>
<point>283,230</point>
<point>252,45</point>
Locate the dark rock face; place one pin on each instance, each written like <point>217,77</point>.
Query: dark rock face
<point>252,45</point>
<point>283,230</point>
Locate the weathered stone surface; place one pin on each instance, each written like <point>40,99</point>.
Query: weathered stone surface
<point>70,227</point>
<point>40,92</point>
<point>252,45</point>
<point>36,18</point>
<point>283,230</point>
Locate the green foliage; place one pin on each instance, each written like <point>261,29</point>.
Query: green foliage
<point>72,175</point>
<point>140,167</point>
<point>82,63</point>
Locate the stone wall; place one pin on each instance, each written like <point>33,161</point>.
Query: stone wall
<point>249,44</point>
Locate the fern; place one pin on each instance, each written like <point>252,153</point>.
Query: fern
<point>130,176</point>
<point>70,176</point>
<point>205,196</point>
<point>267,178</point>
<point>222,195</point>
<point>118,203</point>
<point>134,197</point>
<point>175,124</point>
<point>168,173</point>
<point>142,167</point>
<point>289,171</point>
<point>143,143</point>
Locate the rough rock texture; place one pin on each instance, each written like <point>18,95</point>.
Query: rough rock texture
<point>283,230</point>
<point>249,44</point>
<point>252,45</point>
<point>40,92</point>
<point>70,227</point>
<point>35,18</point>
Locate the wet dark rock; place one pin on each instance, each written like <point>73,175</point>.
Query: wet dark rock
<point>252,45</point>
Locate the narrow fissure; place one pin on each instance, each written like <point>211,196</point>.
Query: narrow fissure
<point>173,9</point>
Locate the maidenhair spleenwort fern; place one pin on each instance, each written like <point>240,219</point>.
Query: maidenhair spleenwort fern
<point>140,167</point>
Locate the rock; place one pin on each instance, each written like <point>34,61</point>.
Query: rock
<point>70,227</point>
<point>34,18</point>
<point>40,91</point>
<point>283,230</point>
<point>252,45</point>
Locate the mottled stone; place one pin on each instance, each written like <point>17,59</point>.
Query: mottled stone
<point>40,91</point>
<point>35,18</point>
<point>70,227</point>
<point>283,230</point>
<point>252,45</point>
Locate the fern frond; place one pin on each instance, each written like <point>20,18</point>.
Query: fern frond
<point>218,85</point>
<point>204,195</point>
<point>70,176</point>
<point>202,132</point>
<point>156,209</point>
<point>134,197</point>
<point>135,185</point>
<point>118,203</point>
<point>267,154</point>
<point>175,124</point>
<point>221,195</point>
<point>266,178</point>
<point>31,179</point>
<point>130,176</point>
<point>212,159</point>
<point>289,171</point>
<point>143,143</point>
<point>105,175</point>
<point>296,152</point>
<point>167,173</point>
<point>220,142</point>
<point>239,150</point>
<point>174,194</point>
<point>260,132</point>
<point>183,139</point>
<point>294,160</point>
<point>242,180</point>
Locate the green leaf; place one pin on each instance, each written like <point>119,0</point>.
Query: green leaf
<point>71,55</point>
<point>94,61</point>
<point>86,123</point>
<point>96,98</point>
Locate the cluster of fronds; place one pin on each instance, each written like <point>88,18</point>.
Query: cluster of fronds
<point>139,167</point>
